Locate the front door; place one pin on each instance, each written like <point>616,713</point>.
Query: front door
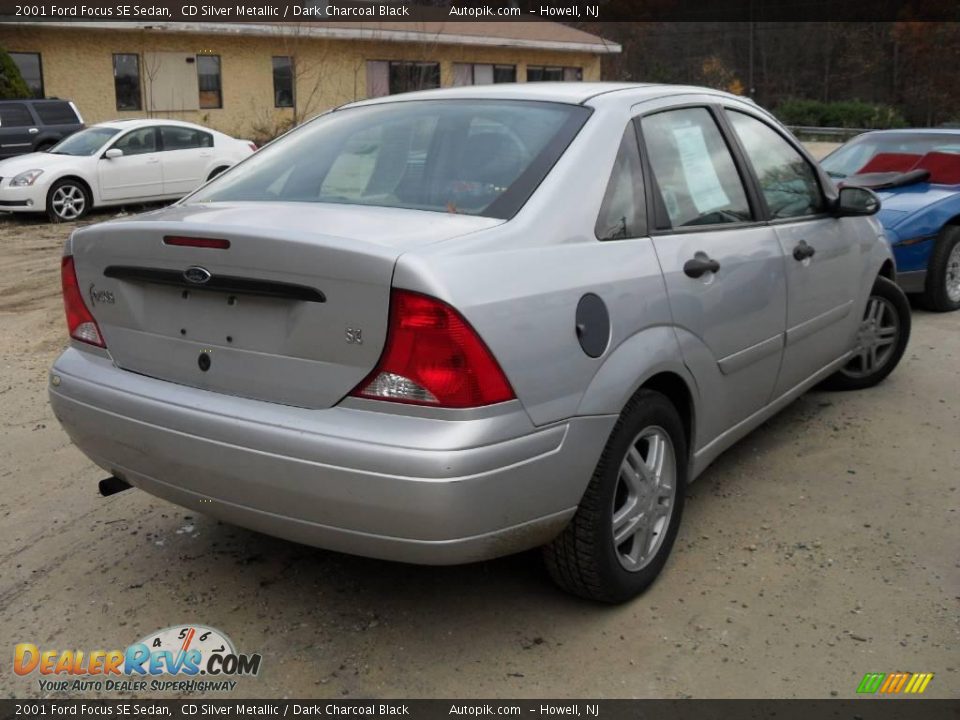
<point>17,129</point>
<point>137,174</point>
<point>821,254</point>
<point>724,269</point>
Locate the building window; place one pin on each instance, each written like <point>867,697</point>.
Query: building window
<point>31,68</point>
<point>409,76</point>
<point>208,80</point>
<point>283,82</point>
<point>483,74</point>
<point>540,73</point>
<point>126,81</point>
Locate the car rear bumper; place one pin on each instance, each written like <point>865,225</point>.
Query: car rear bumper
<point>381,484</point>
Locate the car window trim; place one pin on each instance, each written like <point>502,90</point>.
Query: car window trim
<point>723,109</point>
<point>655,206</point>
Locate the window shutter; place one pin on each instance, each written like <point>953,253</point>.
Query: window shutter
<point>378,78</point>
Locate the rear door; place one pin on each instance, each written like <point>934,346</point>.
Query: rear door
<point>138,173</point>
<point>821,255</point>
<point>722,265</point>
<point>17,129</point>
<point>185,157</point>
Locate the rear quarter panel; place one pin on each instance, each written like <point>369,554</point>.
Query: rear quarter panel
<point>519,285</point>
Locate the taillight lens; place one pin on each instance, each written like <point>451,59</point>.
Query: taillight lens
<point>253,146</point>
<point>433,357</point>
<point>80,323</point>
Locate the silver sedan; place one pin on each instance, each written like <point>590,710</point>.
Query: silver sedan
<point>447,326</point>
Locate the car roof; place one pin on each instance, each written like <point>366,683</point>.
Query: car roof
<point>144,122</point>
<point>576,93</point>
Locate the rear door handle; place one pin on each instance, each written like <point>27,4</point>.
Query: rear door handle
<point>803,251</point>
<point>33,131</point>
<point>699,264</point>
<point>153,160</point>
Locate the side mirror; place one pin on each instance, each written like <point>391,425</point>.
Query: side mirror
<point>856,201</point>
<point>113,153</point>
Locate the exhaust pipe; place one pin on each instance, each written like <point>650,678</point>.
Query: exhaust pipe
<point>112,485</point>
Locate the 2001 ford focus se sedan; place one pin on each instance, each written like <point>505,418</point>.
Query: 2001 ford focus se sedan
<point>446,326</point>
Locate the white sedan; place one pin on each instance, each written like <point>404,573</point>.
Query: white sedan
<point>115,163</point>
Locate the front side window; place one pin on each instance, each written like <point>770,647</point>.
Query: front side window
<point>694,171</point>
<point>182,138</point>
<point>623,212</point>
<point>473,157</point>
<point>788,183</point>
<point>410,76</point>
<point>208,80</point>
<point>283,81</point>
<point>15,115</point>
<point>31,69</point>
<point>126,81</point>
<point>138,142</point>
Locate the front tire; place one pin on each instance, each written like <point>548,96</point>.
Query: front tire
<point>881,339</point>
<point>942,292</point>
<point>619,539</point>
<point>68,201</point>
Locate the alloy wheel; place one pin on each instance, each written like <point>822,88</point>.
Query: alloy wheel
<point>644,498</point>
<point>953,274</point>
<point>876,338</point>
<point>69,202</point>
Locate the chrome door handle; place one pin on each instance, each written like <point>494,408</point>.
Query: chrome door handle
<point>803,251</point>
<point>700,264</point>
<point>33,131</point>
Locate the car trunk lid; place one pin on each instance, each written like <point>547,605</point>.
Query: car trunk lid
<point>294,311</point>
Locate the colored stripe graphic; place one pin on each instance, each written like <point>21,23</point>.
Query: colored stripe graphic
<point>871,682</point>
<point>894,683</point>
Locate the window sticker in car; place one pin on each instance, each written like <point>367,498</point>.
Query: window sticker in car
<point>706,191</point>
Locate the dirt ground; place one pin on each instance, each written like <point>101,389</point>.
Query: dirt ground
<point>821,547</point>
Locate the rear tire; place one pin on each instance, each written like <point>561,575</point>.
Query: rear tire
<point>881,340</point>
<point>942,293</point>
<point>215,172</point>
<point>635,497</point>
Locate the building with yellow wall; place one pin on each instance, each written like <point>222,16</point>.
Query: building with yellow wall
<point>254,80</point>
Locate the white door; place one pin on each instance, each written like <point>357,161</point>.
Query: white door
<point>135,175</point>
<point>186,155</point>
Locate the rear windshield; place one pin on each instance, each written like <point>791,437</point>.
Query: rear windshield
<point>461,156</point>
<point>85,142</point>
<point>56,113</point>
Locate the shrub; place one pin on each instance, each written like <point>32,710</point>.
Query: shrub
<point>844,114</point>
<point>12,85</point>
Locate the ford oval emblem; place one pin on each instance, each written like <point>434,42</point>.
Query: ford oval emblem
<point>197,275</point>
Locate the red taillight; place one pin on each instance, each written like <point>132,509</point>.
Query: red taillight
<point>197,242</point>
<point>433,357</point>
<point>80,323</point>
<point>253,146</point>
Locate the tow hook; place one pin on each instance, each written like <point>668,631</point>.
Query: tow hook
<point>112,485</point>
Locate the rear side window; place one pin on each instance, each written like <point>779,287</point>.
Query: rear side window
<point>788,183</point>
<point>15,115</point>
<point>697,179</point>
<point>623,212</point>
<point>477,157</point>
<point>179,138</point>
<point>56,113</point>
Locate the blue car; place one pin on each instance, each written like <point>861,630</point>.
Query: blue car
<point>916,173</point>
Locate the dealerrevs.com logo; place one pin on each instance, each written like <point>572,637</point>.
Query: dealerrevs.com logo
<point>196,657</point>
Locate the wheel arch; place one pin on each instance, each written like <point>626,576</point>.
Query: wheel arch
<point>78,179</point>
<point>649,360</point>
